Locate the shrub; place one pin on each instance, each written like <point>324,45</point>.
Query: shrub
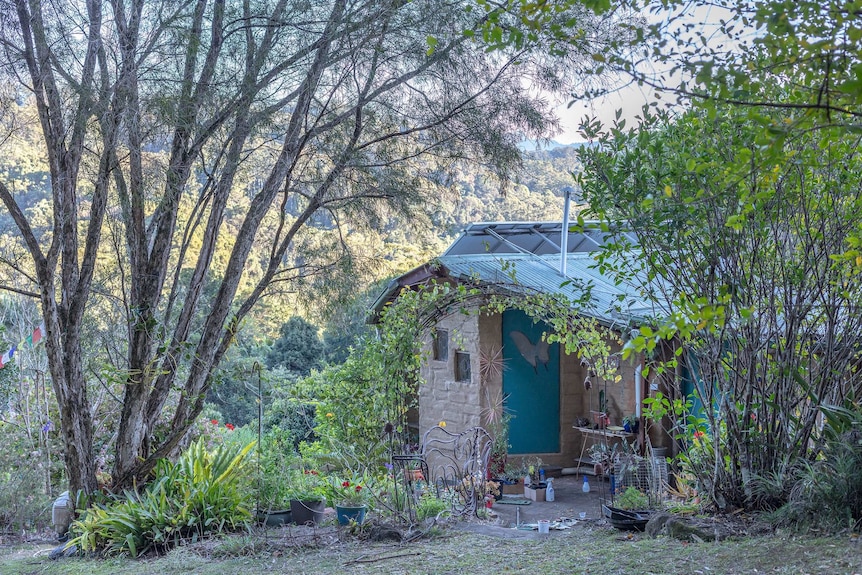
<point>430,506</point>
<point>202,493</point>
<point>631,498</point>
<point>27,473</point>
<point>827,493</point>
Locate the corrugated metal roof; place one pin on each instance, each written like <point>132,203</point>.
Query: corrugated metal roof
<point>527,254</point>
<point>610,303</point>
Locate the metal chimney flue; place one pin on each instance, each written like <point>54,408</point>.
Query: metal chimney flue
<point>564,232</point>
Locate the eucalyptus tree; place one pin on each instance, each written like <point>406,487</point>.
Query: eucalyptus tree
<point>206,152</point>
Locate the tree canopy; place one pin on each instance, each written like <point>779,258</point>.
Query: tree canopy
<point>202,154</point>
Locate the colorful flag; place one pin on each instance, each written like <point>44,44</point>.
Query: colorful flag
<point>37,334</point>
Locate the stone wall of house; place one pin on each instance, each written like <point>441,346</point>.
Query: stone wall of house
<point>442,397</point>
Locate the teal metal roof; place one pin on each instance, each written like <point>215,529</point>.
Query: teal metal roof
<point>610,303</point>
<point>526,256</point>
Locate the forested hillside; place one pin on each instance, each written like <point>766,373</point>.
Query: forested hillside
<point>467,194</point>
<point>336,305</point>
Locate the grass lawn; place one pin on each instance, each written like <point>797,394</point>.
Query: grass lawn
<point>590,549</point>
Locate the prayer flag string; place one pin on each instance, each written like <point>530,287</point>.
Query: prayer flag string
<point>31,340</point>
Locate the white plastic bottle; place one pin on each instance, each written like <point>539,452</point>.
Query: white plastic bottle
<point>549,492</point>
<point>586,486</point>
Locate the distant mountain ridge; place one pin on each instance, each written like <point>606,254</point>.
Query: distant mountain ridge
<point>548,145</point>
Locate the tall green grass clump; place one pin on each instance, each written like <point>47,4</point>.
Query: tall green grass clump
<point>201,494</point>
<point>827,492</point>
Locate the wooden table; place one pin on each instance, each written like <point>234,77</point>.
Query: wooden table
<point>592,434</point>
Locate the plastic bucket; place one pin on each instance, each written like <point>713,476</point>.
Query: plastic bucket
<point>544,526</point>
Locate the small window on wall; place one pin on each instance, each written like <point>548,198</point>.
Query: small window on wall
<point>462,366</point>
<point>441,345</point>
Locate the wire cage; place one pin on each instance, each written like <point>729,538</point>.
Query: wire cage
<point>649,475</point>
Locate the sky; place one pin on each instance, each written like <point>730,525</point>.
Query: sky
<point>630,99</point>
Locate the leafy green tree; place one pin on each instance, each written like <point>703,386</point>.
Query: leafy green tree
<point>298,348</point>
<point>234,391</point>
<point>743,251</point>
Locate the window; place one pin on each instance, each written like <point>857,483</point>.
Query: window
<point>441,345</point>
<point>462,366</point>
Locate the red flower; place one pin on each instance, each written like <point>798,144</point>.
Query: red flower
<point>214,421</point>
<point>313,472</point>
<point>699,434</point>
<point>358,488</point>
<point>345,484</point>
<point>230,426</point>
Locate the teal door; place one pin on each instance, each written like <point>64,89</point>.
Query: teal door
<point>531,385</point>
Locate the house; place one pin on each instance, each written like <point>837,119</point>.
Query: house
<point>477,359</point>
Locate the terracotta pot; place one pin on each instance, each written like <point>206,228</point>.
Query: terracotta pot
<point>414,475</point>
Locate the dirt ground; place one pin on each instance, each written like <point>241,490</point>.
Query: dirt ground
<point>569,502</point>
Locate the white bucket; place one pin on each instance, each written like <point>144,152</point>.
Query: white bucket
<point>62,513</point>
<point>544,526</point>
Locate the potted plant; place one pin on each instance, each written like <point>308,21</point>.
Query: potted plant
<point>630,511</point>
<point>535,489</point>
<point>632,499</point>
<point>604,457</point>
<point>631,423</point>
<point>499,447</point>
<point>492,492</point>
<point>349,497</point>
<point>413,472</point>
<point>306,496</point>
<point>510,481</point>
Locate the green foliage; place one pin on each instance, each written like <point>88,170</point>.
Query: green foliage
<point>298,348</point>
<point>202,493</point>
<point>292,416</point>
<point>430,506</point>
<point>827,493</point>
<point>742,248</point>
<point>234,391</point>
<point>25,474</point>
<point>351,408</point>
<point>305,484</point>
<point>631,498</point>
<point>348,492</point>
<point>278,459</point>
<point>362,405</point>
